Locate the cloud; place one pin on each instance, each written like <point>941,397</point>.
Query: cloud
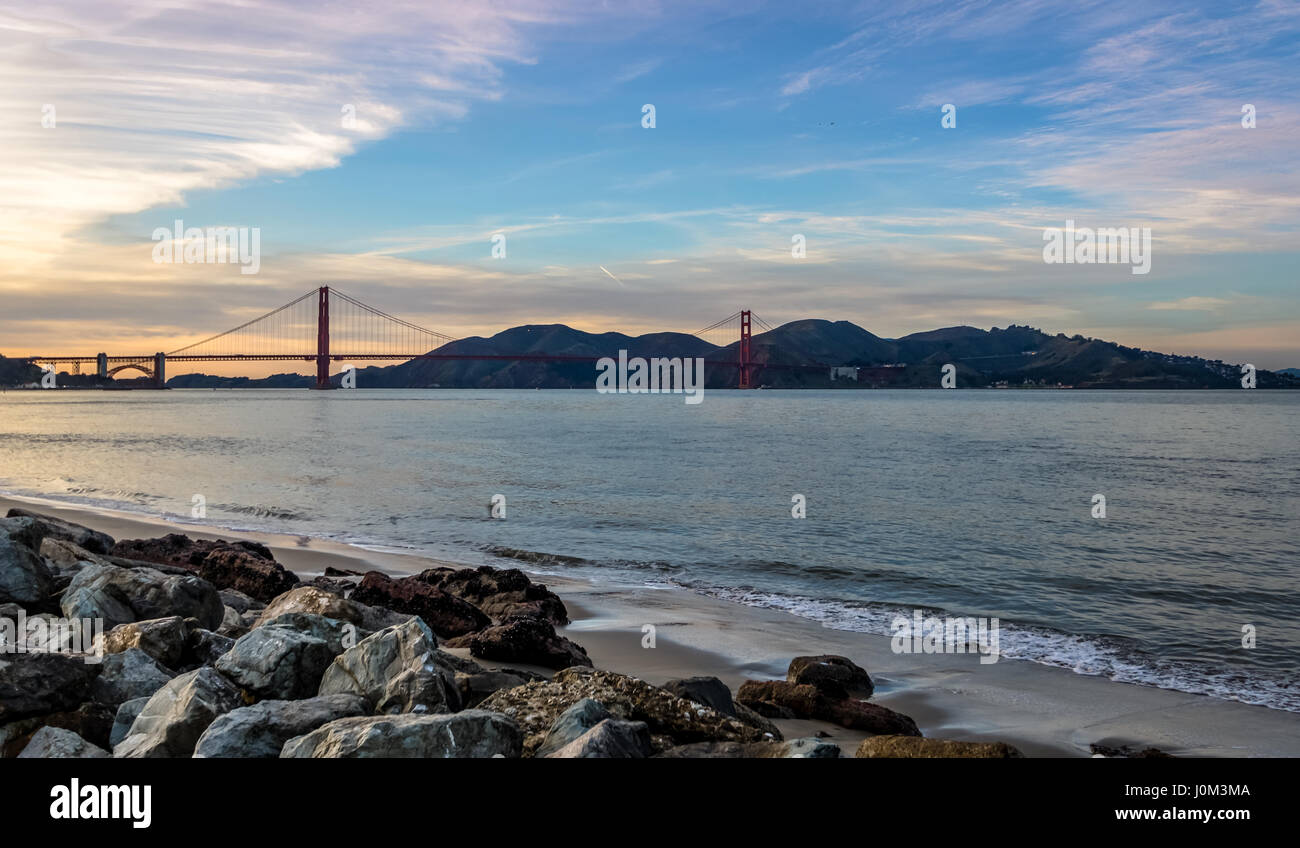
<point>1191,304</point>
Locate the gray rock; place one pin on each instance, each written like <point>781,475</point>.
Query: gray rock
<point>66,559</point>
<point>128,675</point>
<point>262,729</point>
<point>572,723</point>
<point>397,670</point>
<point>232,623</point>
<point>472,733</point>
<point>205,647</point>
<point>57,743</point>
<point>277,662</point>
<point>36,684</point>
<point>611,739</point>
<point>176,716</point>
<point>127,713</point>
<point>709,691</point>
<point>51,527</point>
<point>812,748</point>
<point>339,635</point>
<point>24,577</point>
<point>123,595</point>
<point>167,640</point>
<point>240,602</point>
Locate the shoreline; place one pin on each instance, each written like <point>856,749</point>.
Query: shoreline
<point>1043,711</point>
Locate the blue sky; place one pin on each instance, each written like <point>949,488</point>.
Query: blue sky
<point>771,121</point>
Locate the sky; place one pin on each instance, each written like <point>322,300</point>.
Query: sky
<point>379,148</point>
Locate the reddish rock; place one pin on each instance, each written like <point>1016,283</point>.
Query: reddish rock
<point>774,697</point>
<point>525,640</point>
<point>246,567</point>
<point>447,615</point>
<point>501,593</point>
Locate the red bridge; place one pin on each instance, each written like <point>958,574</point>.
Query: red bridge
<point>325,324</point>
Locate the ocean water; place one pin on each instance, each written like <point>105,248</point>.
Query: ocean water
<point>963,502</point>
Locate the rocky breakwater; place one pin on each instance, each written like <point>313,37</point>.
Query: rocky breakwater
<point>212,649</point>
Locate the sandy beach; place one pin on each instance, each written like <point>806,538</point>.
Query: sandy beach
<point>1041,710</point>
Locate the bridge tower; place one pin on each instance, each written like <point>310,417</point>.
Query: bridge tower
<point>160,370</point>
<point>323,340</point>
<point>744,349</point>
<point>101,364</point>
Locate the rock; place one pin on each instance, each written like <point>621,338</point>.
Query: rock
<point>128,675</point>
<point>317,601</point>
<point>472,733</point>
<point>179,549</point>
<point>65,558</point>
<point>709,691</point>
<point>672,720</point>
<point>232,623</point>
<point>611,739</point>
<point>176,716</point>
<point>239,602</point>
<point>339,635</point>
<point>525,640</point>
<point>92,722</point>
<point>122,595</point>
<point>261,730</point>
<point>24,577</point>
<point>1128,752</point>
<point>474,688</point>
<point>835,676</point>
<point>167,640</point>
<point>206,647</point>
<point>277,662</point>
<point>911,747</point>
<point>331,571</point>
<point>246,567</point>
<point>447,615</point>
<point>571,724</point>
<point>57,528</point>
<point>806,748</point>
<point>397,670</point>
<point>35,684</point>
<point>57,743</point>
<point>806,701</point>
<point>331,584</point>
<point>501,593</point>
<point>753,719</point>
<point>124,718</point>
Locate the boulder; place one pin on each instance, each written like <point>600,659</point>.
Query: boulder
<point>239,602</point>
<point>806,748</point>
<point>472,733</point>
<point>128,675</point>
<point>123,595</point>
<point>571,724</point>
<point>672,720</point>
<point>176,716</point>
<point>911,747</point>
<point>339,635</point>
<point>167,640</point>
<point>447,615</point>
<point>277,662</point>
<point>611,739</point>
<point>57,528</point>
<point>261,730</point>
<point>474,688</point>
<point>317,601</point>
<point>501,593</point>
<point>92,722</point>
<point>247,567</point>
<point>835,676</point>
<point>709,691</point>
<point>24,577</point>
<point>397,670</point>
<point>35,684</point>
<point>66,559</point>
<point>232,623</point>
<point>524,640</point>
<point>57,743</point>
<point>206,647</point>
<point>125,717</point>
<point>807,701</point>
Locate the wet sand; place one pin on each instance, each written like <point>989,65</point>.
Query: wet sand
<point>1044,711</point>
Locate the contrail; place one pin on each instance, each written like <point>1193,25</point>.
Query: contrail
<point>611,276</point>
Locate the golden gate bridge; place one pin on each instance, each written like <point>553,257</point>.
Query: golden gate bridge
<point>326,324</point>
